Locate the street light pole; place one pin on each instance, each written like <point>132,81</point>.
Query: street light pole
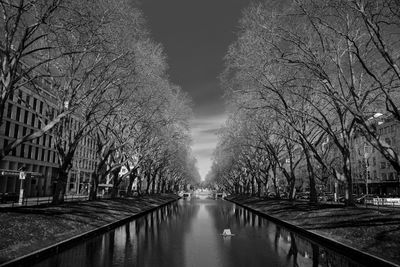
<point>366,168</point>
<point>22,176</point>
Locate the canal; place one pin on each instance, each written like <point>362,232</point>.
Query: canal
<point>188,233</point>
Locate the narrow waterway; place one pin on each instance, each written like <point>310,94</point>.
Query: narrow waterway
<point>188,233</point>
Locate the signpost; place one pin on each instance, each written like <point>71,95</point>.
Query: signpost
<point>22,176</point>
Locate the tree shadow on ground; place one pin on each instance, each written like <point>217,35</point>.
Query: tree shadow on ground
<point>94,213</point>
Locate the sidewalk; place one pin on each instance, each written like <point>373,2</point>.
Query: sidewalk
<point>27,229</point>
<point>373,230</point>
<point>34,201</point>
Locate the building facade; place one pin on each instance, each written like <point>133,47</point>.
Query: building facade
<point>370,169</point>
<point>27,111</point>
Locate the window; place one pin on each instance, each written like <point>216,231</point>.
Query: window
<point>26,117</point>
<point>18,114</point>
<point>373,161</point>
<point>43,154</point>
<point>383,165</point>
<point>375,176</point>
<point>34,104</point>
<point>384,176</point>
<point>5,143</point>
<point>24,131</point>
<point>29,152</point>
<point>22,154</point>
<point>19,100</point>
<point>388,165</point>
<point>16,128</point>
<point>390,176</point>
<point>41,107</point>
<point>33,118</point>
<point>7,132</point>
<point>9,110</point>
<point>28,100</point>
<point>36,153</point>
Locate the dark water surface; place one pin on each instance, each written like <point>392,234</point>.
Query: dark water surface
<point>188,233</point>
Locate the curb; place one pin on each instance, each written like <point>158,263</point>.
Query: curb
<point>353,253</point>
<point>38,255</point>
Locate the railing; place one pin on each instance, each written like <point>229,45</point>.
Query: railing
<point>34,201</point>
<point>393,202</point>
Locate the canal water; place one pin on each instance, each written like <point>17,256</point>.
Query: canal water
<point>188,233</point>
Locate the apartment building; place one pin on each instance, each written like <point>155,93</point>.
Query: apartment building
<point>26,111</point>
<point>370,168</point>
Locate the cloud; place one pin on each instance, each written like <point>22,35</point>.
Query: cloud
<point>204,133</point>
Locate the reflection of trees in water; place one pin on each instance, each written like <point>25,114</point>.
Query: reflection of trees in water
<point>315,254</point>
<point>300,246</point>
<point>162,229</point>
<point>331,258</point>
<point>244,217</point>
<point>277,236</point>
<point>151,237</point>
<point>296,246</point>
<point>224,215</point>
<point>293,250</point>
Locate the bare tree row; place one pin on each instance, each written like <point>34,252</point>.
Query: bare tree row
<point>303,78</point>
<point>102,78</point>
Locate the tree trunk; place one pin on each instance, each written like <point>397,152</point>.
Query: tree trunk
<point>153,183</point>
<point>310,169</point>
<point>148,180</point>
<point>94,184</point>
<point>116,182</point>
<point>59,190</point>
<point>349,201</point>
<point>159,181</point>
<point>292,183</point>
<point>163,184</point>
<point>253,189</point>
<point>132,177</point>
<point>139,186</point>
<point>274,182</point>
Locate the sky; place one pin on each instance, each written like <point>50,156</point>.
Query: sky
<point>196,35</point>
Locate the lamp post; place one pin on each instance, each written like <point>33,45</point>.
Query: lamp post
<point>366,155</point>
<point>22,176</point>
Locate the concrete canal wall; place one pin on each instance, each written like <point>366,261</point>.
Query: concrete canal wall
<point>260,207</point>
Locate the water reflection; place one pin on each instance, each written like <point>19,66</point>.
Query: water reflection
<point>188,233</point>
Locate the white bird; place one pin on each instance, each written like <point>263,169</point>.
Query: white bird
<point>227,232</point>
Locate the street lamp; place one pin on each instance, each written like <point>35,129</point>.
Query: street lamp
<point>22,176</point>
<point>366,156</point>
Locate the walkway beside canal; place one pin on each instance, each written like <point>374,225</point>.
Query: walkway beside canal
<point>24,230</point>
<point>375,231</point>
